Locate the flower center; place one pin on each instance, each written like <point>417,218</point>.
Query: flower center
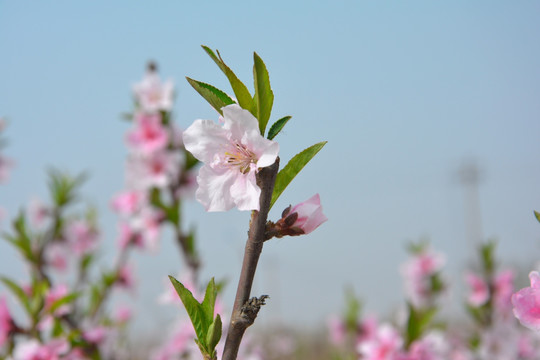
<point>240,156</point>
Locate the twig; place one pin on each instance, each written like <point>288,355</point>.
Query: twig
<point>241,318</point>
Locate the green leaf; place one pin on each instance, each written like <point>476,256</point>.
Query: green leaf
<point>191,161</point>
<point>209,300</point>
<point>109,278</point>
<point>39,290</point>
<point>171,212</point>
<point>295,165</point>
<point>352,311</point>
<point>95,296</point>
<point>418,322</point>
<point>194,310</point>
<point>63,301</point>
<point>57,329</point>
<point>18,292</point>
<point>264,97</point>
<point>63,186</point>
<point>190,243</point>
<point>213,335</point>
<point>240,90</point>
<point>487,252</point>
<point>277,126</point>
<point>537,215</point>
<point>214,96</point>
<point>436,282</point>
<point>86,261</point>
<point>21,240</point>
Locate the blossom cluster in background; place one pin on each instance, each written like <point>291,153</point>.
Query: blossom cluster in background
<point>490,333</point>
<point>65,299</point>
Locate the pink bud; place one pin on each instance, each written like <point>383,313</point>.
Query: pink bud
<point>310,214</point>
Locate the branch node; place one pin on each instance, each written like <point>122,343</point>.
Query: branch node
<point>251,308</point>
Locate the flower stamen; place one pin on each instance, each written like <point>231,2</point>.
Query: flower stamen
<point>241,157</point>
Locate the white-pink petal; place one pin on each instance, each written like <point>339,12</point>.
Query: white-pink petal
<point>310,215</point>
<point>245,192</point>
<point>239,122</point>
<point>204,139</point>
<point>214,188</point>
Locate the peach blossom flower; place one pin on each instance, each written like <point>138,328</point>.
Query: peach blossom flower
<point>232,155</point>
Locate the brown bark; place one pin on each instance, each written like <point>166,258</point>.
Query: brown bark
<point>245,310</point>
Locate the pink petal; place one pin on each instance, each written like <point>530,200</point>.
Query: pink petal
<point>310,215</point>
<point>214,188</point>
<point>240,122</point>
<point>245,192</point>
<point>204,139</point>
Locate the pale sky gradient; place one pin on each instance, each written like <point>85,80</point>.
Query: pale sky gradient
<point>403,92</point>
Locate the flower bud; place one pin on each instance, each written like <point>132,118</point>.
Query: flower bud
<point>297,220</point>
<point>310,214</point>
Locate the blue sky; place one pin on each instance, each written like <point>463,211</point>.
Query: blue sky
<point>403,92</point>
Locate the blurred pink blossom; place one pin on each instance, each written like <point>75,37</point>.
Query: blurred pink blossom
<point>95,335</point>
<point>188,186</point>
<point>5,166</point>
<point>527,348</point>
<point>432,346</point>
<point>82,237</point>
<point>128,202</point>
<point>385,345</point>
<point>126,278</point>
<point>56,255</point>
<point>128,236</point>
<point>479,291</point>
<point>337,330</point>
<point>418,272</point>
<point>34,350</point>
<point>503,289</point>
<point>368,328</point>
<point>37,212</point>
<point>6,322</point>
<point>149,134</point>
<point>153,95</point>
<point>156,170</point>
<point>122,314</point>
<point>526,303</point>
<point>179,343</point>
<point>146,227</point>
<point>232,155</point>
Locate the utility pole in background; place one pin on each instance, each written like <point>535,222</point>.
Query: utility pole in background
<point>470,177</point>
